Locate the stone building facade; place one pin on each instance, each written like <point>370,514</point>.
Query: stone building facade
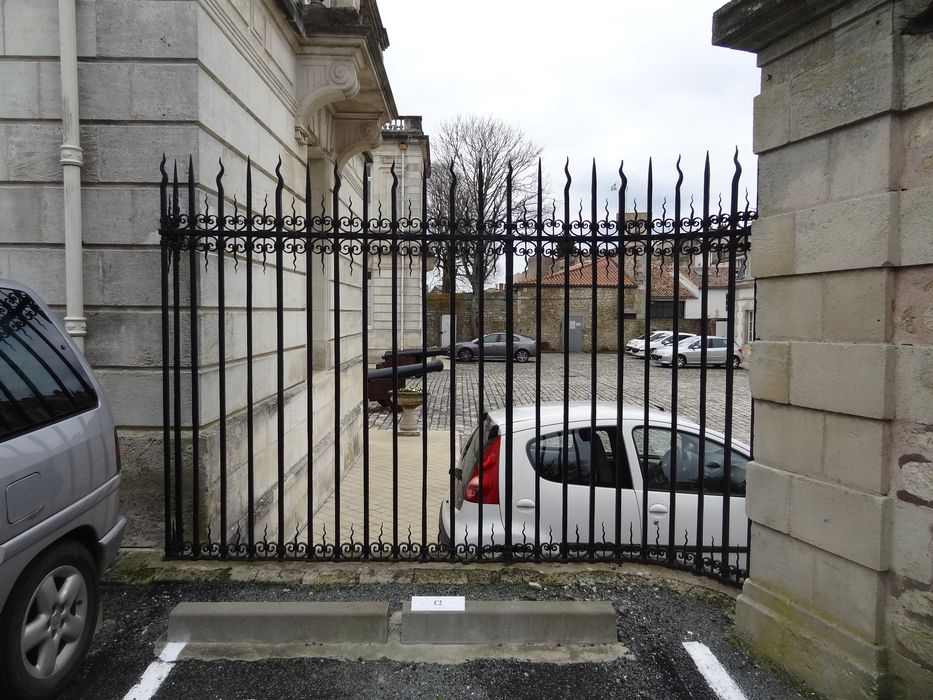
<point>841,490</point>
<point>213,80</point>
<point>405,149</point>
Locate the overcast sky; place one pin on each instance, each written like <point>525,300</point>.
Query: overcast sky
<point>610,79</point>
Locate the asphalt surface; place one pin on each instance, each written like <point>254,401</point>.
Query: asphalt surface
<point>654,619</point>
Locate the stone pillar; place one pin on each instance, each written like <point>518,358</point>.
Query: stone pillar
<point>841,489</point>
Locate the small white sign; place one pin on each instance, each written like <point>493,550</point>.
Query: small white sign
<point>441,603</point>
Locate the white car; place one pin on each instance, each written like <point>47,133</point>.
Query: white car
<point>663,341</point>
<point>596,457</point>
<point>689,352</point>
<point>637,345</point>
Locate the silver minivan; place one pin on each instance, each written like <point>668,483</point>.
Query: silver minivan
<point>60,524</point>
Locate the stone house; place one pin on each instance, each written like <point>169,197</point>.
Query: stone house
<point>610,282</point>
<point>92,99</point>
<point>524,306</point>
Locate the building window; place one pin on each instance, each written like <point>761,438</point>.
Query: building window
<point>665,309</point>
<point>749,325</point>
<point>368,177</point>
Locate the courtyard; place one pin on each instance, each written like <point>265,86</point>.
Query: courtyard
<point>525,390</point>
<point>420,468</point>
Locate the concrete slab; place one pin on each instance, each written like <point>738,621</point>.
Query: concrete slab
<point>515,621</point>
<point>279,623</point>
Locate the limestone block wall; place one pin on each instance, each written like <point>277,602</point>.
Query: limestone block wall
<point>213,79</point>
<point>841,587</point>
<point>409,163</point>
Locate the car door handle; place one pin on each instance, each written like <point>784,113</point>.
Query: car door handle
<point>657,509</point>
<point>525,503</point>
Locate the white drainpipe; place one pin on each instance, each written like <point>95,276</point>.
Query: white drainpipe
<point>72,160</point>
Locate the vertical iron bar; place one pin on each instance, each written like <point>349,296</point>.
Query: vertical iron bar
<point>395,379</point>
<point>675,373</point>
<point>280,357</point>
<point>706,231</point>
<point>452,353</point>
<point>647,370</point>
<point>366,321</point>
<point>479,259</point>
<point>594,339</point>
<point>250,440</point>
<point>178,536</point>
<point>222,360</point>
<point>424,361</point>
<point>509,352</point>
<point>309,362</point>
<point>732,240</point>
<point>195,364</point>
<point>164,227</point>
<point>567,245</point>
<point>539,252</point>
<point>619,449</point>
<point>338,456</point>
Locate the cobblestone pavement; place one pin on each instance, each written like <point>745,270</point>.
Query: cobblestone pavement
<point>552,383</point>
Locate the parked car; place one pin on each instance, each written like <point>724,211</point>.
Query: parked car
<point>495,347</point>
<point>593,455</point>
<point>689,352</point>
<point>661,342</point>
<point>60,525</point>
<point>636,346</point>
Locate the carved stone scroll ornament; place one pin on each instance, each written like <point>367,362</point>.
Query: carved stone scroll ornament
<point>353,136</point>
<point>323,80</point>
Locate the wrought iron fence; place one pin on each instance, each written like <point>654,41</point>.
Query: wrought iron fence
<point>268,427</point>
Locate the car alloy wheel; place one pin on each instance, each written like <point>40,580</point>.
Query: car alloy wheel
<point>736,361</point>
<point>465,354</point>
<point>522,356</point>
<point>681,361</point>
<point>48,623</point>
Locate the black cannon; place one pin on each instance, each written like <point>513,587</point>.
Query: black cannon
<point>381,378</point>
<point>381,385</point>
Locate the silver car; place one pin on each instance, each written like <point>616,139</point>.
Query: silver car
<point>689,352</point>
<point>495,347</point>
<point>540,458</point>
<point>60,525</point>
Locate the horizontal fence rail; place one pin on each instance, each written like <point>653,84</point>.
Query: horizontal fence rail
<point>282,441</point>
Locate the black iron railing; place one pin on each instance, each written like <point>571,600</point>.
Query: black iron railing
<point>265,341</point>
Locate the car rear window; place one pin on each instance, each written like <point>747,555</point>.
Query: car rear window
<point>585,459</point>
<point>41,380</point>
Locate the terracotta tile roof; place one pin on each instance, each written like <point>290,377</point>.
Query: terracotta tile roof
<point>662,284</point>
<point>718,276</point>
<point>581,275</point>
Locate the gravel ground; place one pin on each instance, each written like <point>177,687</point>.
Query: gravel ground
<point>654,618</point>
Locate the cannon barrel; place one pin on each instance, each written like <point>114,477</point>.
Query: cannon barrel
<point>405,371</point>
<point>414,353</point>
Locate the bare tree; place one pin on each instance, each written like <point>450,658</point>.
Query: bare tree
<point>478,150</point>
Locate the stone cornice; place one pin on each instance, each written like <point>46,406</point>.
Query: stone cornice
<point>753,25</point>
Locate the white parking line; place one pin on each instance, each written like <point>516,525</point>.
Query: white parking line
<point>716,676</point>
<point>156,673</point>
